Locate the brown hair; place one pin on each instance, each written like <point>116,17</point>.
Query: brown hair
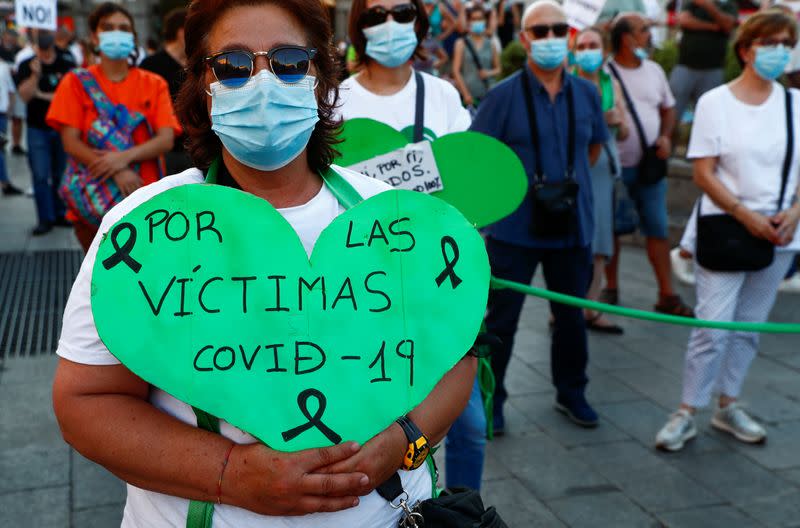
<point>604,39</point>
<point>106,9</point>
<point>760,25</point>
<point>359,41</point>
<point>203,144</point>
<point>174,22</point>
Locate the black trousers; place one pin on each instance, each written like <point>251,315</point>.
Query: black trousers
<point>566,271</point>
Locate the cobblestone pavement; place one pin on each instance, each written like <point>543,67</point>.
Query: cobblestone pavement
<point>543,473</point>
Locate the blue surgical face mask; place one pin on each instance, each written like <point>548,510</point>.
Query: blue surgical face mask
<point>265,124</point>
<point>589,60</point>
<point>478,27</point>
<point>641,53</point>
<point>771,61</point>
<point>550,53</point>
<point>391,43</point>
<point>116,45</point>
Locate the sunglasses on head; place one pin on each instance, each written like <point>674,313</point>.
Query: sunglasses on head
<point>290,64</point>
<point>540,31</point>
<point>402,14</point>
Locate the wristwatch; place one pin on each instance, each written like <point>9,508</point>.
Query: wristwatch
<point>418,445</point>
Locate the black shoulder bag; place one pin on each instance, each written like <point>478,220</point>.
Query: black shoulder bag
<point>555,204</point>
<point>724,243</point>
<point>652,169</point>
<point>462,508</point>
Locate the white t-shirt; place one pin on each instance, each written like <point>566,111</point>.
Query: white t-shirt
<point>23,55</point>
<point>750,142</point>
<point>443,111</point>
<point>6,86</point>
<point>80,343</point>
<point>649,89</point>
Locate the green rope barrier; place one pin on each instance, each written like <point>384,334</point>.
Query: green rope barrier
<point>767,328</point>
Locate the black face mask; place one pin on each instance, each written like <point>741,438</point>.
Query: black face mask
<point>45,41</point>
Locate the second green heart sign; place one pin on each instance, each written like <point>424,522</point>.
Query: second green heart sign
<point>207,293</point>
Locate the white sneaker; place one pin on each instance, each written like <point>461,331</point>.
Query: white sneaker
<point>734,420</point>
<point>681,267</point>
<point>678,430</point>
<point>791,285</point>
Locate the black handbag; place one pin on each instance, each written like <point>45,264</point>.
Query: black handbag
<point>460,508</point>
<point>652,169</point>
<point>554,211</point>
<point>724,243</point>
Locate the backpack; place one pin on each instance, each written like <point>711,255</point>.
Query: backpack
<point>113,130</point>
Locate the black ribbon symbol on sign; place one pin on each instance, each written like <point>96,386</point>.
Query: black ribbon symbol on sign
<point>123,254</point>
<point>450,265</point>
<point>313,421</point>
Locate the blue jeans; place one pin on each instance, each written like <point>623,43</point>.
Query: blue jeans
<point>3,130</point>
<point>465,445</point>
<point>650,202</point>
<point>48,161</point>
<point>566,271</point>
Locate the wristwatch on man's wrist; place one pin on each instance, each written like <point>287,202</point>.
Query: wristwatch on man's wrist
<point>418,445</point>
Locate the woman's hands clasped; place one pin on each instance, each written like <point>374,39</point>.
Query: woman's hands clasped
<point>269,482</point>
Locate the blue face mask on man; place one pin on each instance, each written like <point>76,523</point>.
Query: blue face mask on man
<point>771,61</point>
<point>589,60</point>
<point>266,123</point>
<point>391,43</point>
<point>641,53</point>
<point>549,53</point>
<point>116,45</point>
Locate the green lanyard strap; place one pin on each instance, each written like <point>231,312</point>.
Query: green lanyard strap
<point>201,514</point>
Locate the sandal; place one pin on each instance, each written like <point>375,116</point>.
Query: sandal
<point>609,296</point>
<point>611,329</point>
<point>673,305</point>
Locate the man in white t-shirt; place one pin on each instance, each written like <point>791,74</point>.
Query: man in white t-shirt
<point>652,103</point>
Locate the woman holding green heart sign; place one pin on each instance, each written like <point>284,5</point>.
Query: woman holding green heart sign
<point>259,96</point>
<point>386,35</point>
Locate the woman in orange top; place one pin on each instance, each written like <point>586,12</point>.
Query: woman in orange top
<point>72,112</point>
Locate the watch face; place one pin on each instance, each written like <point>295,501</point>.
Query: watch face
<point>417,453</point>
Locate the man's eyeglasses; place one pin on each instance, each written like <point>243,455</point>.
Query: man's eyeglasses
<point>402,14</point>
<point>540,31</point>
<point>234,68</point>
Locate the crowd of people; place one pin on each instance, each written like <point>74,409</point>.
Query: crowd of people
<point>591,116</point>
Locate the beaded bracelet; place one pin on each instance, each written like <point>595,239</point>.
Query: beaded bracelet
<point>222,473</point>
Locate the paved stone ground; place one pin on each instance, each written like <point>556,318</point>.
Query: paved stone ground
<point>544,473</point>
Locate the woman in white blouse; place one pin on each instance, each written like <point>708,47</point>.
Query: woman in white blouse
<point>739,145</point>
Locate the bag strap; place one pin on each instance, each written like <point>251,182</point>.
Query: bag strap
<point>530,106</point>
<point>475,58</point>
<point>419,109</point>
<point>787,160</point>
<point>101,101</point>
<point>201,514</point>
<point>341,189</point>
<point>612,164</point>
<point>631,106</point>
<point>392,488</point>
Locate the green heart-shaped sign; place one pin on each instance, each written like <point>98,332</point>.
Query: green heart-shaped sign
<point>482,177</point>
<point>207,293</point>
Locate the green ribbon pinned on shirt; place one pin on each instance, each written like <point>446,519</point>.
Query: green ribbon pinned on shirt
<point>766,328</point>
